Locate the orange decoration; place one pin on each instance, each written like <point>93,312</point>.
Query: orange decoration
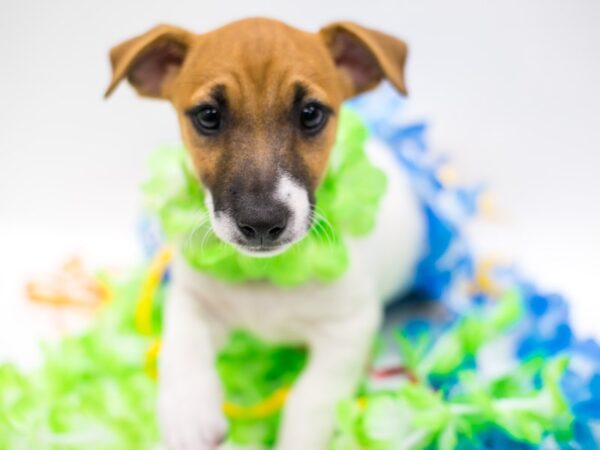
<point>71,286</point>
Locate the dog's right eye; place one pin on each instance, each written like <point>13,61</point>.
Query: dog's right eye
<point>313,118</point>
<point>206,119</point>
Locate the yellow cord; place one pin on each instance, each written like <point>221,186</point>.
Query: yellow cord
<point>143,311</point>
<point>260,410</point>
<point>152,359</point>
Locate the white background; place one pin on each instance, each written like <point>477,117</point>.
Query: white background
<point>511,88</point>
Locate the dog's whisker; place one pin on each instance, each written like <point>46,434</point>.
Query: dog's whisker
<point>329,228</point>
<point>188,242</point>
<point>322,233</point>
<point>326,224</point>
<point>190,236</point>
<point>316,231</point>
<point>207,233</point>
<point>318,228</point>
<point>321,214</point>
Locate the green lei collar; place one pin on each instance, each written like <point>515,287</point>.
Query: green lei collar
<point>347,203</point>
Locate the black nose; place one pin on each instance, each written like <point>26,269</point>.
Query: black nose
<point>262,226</point>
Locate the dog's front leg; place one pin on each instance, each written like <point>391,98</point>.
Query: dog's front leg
<point>339,352</point>
<point>190,399</point>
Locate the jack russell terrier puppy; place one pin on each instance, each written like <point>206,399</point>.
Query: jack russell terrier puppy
<point>258,103</point>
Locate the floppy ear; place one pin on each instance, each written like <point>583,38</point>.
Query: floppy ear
<point>364,57</point>
<point>150,61</point>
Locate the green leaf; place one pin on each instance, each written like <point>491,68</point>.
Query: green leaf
<point>507,312</point>
<point>448,439</point>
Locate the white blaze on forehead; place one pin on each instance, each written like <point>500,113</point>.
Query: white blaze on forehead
<point>295,197</point>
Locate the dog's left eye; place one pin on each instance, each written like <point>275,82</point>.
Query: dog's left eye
<point>206,119</point>
<point>313,117</point>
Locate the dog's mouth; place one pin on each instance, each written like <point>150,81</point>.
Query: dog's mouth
<point>262,251</point>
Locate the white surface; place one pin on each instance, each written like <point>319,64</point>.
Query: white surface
<point>511,89</point>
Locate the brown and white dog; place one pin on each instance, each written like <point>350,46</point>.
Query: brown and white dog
<point>258,103</point>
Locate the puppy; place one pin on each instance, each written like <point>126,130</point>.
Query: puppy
<point>258,103</point>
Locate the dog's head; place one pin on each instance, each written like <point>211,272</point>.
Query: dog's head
<point>257,102</point>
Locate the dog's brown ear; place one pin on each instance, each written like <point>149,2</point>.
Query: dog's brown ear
<point>364,57</point>
<point>150,61</point>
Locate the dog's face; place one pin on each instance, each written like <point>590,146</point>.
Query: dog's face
<point>258,102</point>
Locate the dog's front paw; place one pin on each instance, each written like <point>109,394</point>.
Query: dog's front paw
<point>190,416</point>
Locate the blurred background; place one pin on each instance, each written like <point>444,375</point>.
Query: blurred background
<point>511,90</point>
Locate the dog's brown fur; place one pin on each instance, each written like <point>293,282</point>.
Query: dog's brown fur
<point>258,65</point>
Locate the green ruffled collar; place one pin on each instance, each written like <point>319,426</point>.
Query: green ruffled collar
<point>347,203</point>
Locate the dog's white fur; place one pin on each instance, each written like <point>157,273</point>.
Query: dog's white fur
<point>337,322</point>
<point>295,197</point>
